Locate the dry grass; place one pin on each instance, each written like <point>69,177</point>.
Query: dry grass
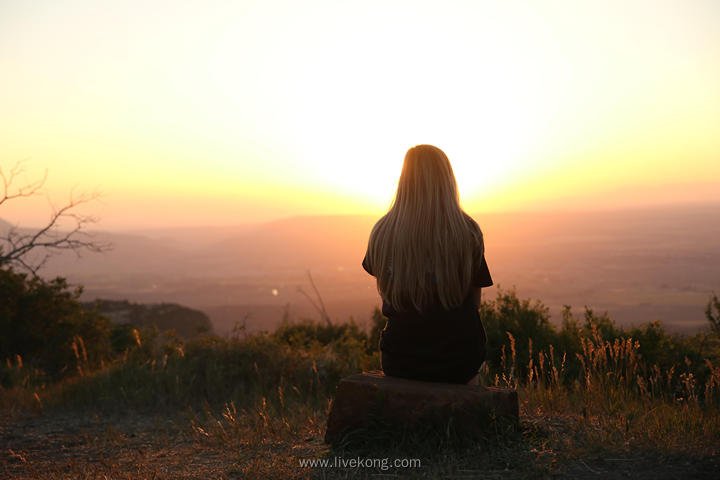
<point>254,409</point>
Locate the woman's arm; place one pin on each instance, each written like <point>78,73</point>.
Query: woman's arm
<point>477,297</point>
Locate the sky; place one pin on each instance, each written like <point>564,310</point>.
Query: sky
<point>217,112</point>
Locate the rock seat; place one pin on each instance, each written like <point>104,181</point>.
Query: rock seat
<point>369,397</point>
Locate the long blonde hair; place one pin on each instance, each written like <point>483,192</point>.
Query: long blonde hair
<point>421,250</point>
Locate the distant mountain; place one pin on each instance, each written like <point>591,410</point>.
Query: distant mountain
<point>186,322</point>
<point>639,265</point>
<point>299,243</point>
<point>4,227</point>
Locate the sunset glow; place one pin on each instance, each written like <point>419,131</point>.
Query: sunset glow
<point>187,113</point>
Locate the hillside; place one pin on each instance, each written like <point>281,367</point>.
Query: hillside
<point>186,322</point>
<point>640,265</point>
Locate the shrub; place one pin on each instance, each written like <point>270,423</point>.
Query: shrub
<point>513,323</point>
<point>43,323</point>
<point>305,333</point>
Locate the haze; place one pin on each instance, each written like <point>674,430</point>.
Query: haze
<point>639,265</point>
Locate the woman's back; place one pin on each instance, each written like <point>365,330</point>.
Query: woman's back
<point>428,258</point>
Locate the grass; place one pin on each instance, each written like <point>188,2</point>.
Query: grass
<point>256,407</point>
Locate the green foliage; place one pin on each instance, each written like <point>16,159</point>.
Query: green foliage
<point>520,333</point>
<point>602,324</point>
<point>215,370</point>
<point>142,363</point>
<point>306,333</point>
<point>185,321</point>
<point>569,337</point>
<point>122,337</point>
<point>660,348</point>
<point>513,322</point>
<point>43,325</point>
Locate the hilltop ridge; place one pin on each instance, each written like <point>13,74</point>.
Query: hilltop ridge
<point>643,264</point>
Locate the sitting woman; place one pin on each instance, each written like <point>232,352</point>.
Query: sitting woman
<point>428,257</point>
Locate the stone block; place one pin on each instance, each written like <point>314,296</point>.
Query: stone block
<point>374,396</point>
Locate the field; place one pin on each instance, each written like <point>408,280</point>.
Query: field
<point>596,401</point>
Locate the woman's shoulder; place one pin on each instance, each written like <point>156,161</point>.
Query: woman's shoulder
<point>473,227</point>
<point>379,224</point>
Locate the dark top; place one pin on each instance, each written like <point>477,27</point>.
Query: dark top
<point>438,345</point>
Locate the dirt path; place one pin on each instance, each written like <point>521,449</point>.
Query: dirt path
<point>80,446</point>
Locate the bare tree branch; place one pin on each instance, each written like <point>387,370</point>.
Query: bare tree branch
<point>26,190</point>
<point>320,308</point>
<point>17,244</point>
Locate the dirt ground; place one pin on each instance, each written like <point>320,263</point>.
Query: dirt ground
<point>88,446</point>
<point>78,446</point>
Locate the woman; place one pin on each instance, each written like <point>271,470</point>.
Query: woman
<point>428,257</point>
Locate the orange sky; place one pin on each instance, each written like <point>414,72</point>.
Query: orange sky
<point>216,112</point>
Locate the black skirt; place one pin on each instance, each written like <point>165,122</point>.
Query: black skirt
<point>405,366</point>
<point>447,346</point>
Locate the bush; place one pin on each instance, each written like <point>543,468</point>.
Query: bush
<point>306,333</point>
<point>523,322</point>
<point>43,324</point>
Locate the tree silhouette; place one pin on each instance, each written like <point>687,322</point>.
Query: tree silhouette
<point>17,244</point>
